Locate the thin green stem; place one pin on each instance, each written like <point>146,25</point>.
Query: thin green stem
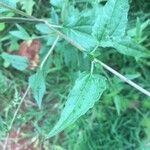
<point>49,52</point>
<point>18,108</point>
<point>15,115</point>
<point>19,20</point>
<point>92,66</point>
<point>22,20</point>
<point>94,49</point>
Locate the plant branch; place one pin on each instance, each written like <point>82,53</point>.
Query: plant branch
<point>16,10</point>
<point>101,63</point>
<point>19,20</point>
<point>69,40</point>
<point>22,20</point>
<point>123,78</point>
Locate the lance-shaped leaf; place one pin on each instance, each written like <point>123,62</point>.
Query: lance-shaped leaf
<point>37,84</point>
<point>27,5</point>
<point>7,3</point>
<point>86,91</point>
<point>130,48</point>
<point>112,20</point>
<point>18,62</point>
<point>2,26</point>
<point>21,33</point>
<point>78,27</point>
<point>127,46</point>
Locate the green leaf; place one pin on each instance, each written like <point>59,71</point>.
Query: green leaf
<point>54,16</point>
<point>27,5</point>
<point>130,48</point>
<point>37,84</point>
<point>43,28</point>
<point>82,38</point>
<point>2,26</point>
<point>11,3</point>
<point>78,27</point>
<point>137,32</point>
<point>127,46</point>
<point>18,62</point>
<point>21,33</point>
<point>70,55</point>
<point>57,3</point>
<point>112,20</point>
<point>86,91</point>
